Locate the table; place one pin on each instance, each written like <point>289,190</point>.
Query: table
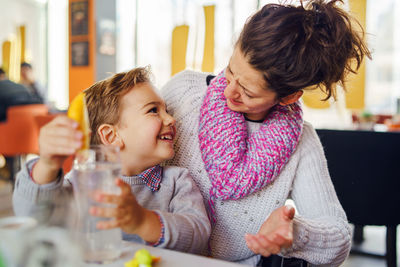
<point>169,258</point>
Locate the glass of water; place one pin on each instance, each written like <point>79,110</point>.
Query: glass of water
<point>95,170</point>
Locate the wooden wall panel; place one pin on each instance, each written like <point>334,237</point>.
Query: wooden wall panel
<point>82,45</point>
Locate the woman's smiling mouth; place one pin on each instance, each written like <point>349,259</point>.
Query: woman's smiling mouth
<point>234,102</point>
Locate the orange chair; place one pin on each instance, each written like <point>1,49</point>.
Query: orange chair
<point>20,132</point>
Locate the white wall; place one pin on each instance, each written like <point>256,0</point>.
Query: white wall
<point>58,53</point>
<point>14,13</point>
<point>46,41</point>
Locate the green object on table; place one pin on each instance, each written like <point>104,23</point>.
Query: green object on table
<point>2,263</point>
<point>143,257</point>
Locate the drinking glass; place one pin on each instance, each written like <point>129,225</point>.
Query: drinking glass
<point>95,170</point>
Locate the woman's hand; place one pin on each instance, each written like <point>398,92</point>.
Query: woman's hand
<point>127,214</point>
<point>275,233</point>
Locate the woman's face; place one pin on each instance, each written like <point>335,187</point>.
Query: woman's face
<point>247,91</point>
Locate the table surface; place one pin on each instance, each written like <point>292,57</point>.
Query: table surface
<point>169,258</point>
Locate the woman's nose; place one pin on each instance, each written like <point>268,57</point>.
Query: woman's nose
<point>231,91</point>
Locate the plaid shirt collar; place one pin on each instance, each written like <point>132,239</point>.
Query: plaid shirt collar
<point>152,177</point>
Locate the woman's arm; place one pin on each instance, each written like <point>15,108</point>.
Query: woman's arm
<point>321,233</point>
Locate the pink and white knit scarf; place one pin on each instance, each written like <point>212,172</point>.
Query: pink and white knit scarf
<point>238,164</point>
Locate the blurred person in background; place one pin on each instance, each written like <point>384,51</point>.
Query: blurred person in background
<point>3,75</point>
<point>29,81</point>
<point>13,94</point>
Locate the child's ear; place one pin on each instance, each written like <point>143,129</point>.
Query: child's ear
<point>290,99</point>
<point>109,135</point>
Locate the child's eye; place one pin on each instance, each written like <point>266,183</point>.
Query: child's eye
<point>153,110</point>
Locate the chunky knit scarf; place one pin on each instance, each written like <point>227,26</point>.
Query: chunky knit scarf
<point>238,164</point>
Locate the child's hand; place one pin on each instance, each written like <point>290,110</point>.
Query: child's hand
<point>127,214</point>
<point>57,140</point>
<point>275,233</point>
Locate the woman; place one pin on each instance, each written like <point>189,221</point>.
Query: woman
<point>247,147</point>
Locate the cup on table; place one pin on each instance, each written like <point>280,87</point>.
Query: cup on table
<point>95,170</point>
<point>13,230</point>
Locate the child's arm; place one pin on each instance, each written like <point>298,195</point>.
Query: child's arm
<point>186,224</point>
<point>128,214</point>
<point>39,182</point>
<point>179,220</point>
<point>57,140</point>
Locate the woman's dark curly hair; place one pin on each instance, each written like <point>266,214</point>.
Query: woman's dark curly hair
<point>298,47</point>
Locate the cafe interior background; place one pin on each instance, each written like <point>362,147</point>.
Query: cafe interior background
<point>73,43</point>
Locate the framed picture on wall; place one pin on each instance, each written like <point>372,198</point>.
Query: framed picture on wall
<point>79,18</point>
<point>80,53</point>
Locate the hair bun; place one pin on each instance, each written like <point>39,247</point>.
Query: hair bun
<point>318,10</point>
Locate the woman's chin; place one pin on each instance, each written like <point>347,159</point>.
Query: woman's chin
<point>232,106</point>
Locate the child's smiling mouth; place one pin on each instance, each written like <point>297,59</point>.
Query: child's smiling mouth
<point>166,136</point>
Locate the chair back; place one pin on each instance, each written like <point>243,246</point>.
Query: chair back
<point>365,170</point>
<point>20,132</point>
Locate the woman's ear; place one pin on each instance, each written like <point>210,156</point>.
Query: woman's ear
<point>290,99</point>
<point>109,135</point>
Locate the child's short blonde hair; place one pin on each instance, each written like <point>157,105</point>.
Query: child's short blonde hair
<point>103,99</point>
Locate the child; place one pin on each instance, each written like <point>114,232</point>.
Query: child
<point>161,205</point>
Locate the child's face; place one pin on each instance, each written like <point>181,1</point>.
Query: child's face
<point>146,129</point>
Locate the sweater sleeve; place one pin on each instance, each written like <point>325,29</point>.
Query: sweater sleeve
<point>43,202</point>
<point>322,234</point>
<point>186,224</point>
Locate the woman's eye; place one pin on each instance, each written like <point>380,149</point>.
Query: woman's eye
<point>249,96</point>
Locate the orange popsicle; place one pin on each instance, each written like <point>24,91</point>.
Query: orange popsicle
<point>77,111</point>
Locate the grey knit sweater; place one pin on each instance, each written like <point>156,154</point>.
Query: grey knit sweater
<point>178,202</point>
<point>321,232</point>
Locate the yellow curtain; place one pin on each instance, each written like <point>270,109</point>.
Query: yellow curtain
<point>178,48</point>
<point>313,98</point>
<point>355,97</point>
<point>6,52</point>
<point>22,41</point>
<point>208,56</point>
<point>13,51</point>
